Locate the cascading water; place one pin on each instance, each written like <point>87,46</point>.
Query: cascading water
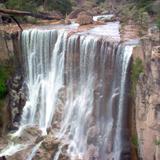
<point>77,86</point>
<point>44,74</point>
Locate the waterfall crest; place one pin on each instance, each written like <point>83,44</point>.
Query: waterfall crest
<point>77,85</point>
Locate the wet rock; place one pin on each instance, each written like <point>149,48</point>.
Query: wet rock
<point>125,155</point>
<point>50,143</point>
<point>16,99</point>
<point>84,18</point>
<point>39,139</point>
<point>21,155</point>
<point>92,135</point>
<point>92,153</point>
<point>64,156</point>
<point>60,103</point>
<point>28,135</point>
<point>3,143</point>
<point>48,148</point>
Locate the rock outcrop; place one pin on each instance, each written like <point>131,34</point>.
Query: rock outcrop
<point>84,18</point>
<point>16,100</point>
<point>92,11</point>
<point>27,139</point>
<point>52,147</point>
<point>75,13</point>
<point>148,102</point>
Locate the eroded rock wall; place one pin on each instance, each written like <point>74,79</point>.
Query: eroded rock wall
<point>10,59</point>
<point>147,101</point>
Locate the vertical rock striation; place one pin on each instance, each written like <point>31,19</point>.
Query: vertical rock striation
<point>148,102</point>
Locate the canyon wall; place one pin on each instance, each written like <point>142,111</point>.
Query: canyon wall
<point>10,65</point>
<point>147,101</point>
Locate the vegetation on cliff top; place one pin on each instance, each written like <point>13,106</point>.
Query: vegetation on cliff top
<point>64,6</point>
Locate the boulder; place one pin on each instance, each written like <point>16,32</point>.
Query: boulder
<point>50,143</point>
<point>28,134</point>
<point>67,21</point>
<point>74,14</point>
<point>84,18</point>
<point>64,156</point>
<point>155,53</point>
<point>49,147</point>
<point>96,11</point>
<point>57,14</point>
<point>21,155</point>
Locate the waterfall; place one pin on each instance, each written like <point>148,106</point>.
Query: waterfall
<point>77,85</point>
<point>44,53</point>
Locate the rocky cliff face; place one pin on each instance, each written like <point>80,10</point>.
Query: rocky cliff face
<point>147,102</point>
<point>15,98</point>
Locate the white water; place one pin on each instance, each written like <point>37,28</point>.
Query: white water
<point>109,16</point>
<point>110,30</point>
<point>118,138</point>
<point>78,82</point>
<point>44,52</point>
<point>34,150</point>
<point>75,67</point>
<point>12,149</point>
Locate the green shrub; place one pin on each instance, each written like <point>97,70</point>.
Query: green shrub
<point>27,5</point>
<point>64,6</point>
<point>3,89</point>
<point>3,77</point>
<point>157,142</point>
<point>136,69</point>
<point>5,72</point>
<point>134,140</point>
<point>1,114</point>
<point>145,4</point>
